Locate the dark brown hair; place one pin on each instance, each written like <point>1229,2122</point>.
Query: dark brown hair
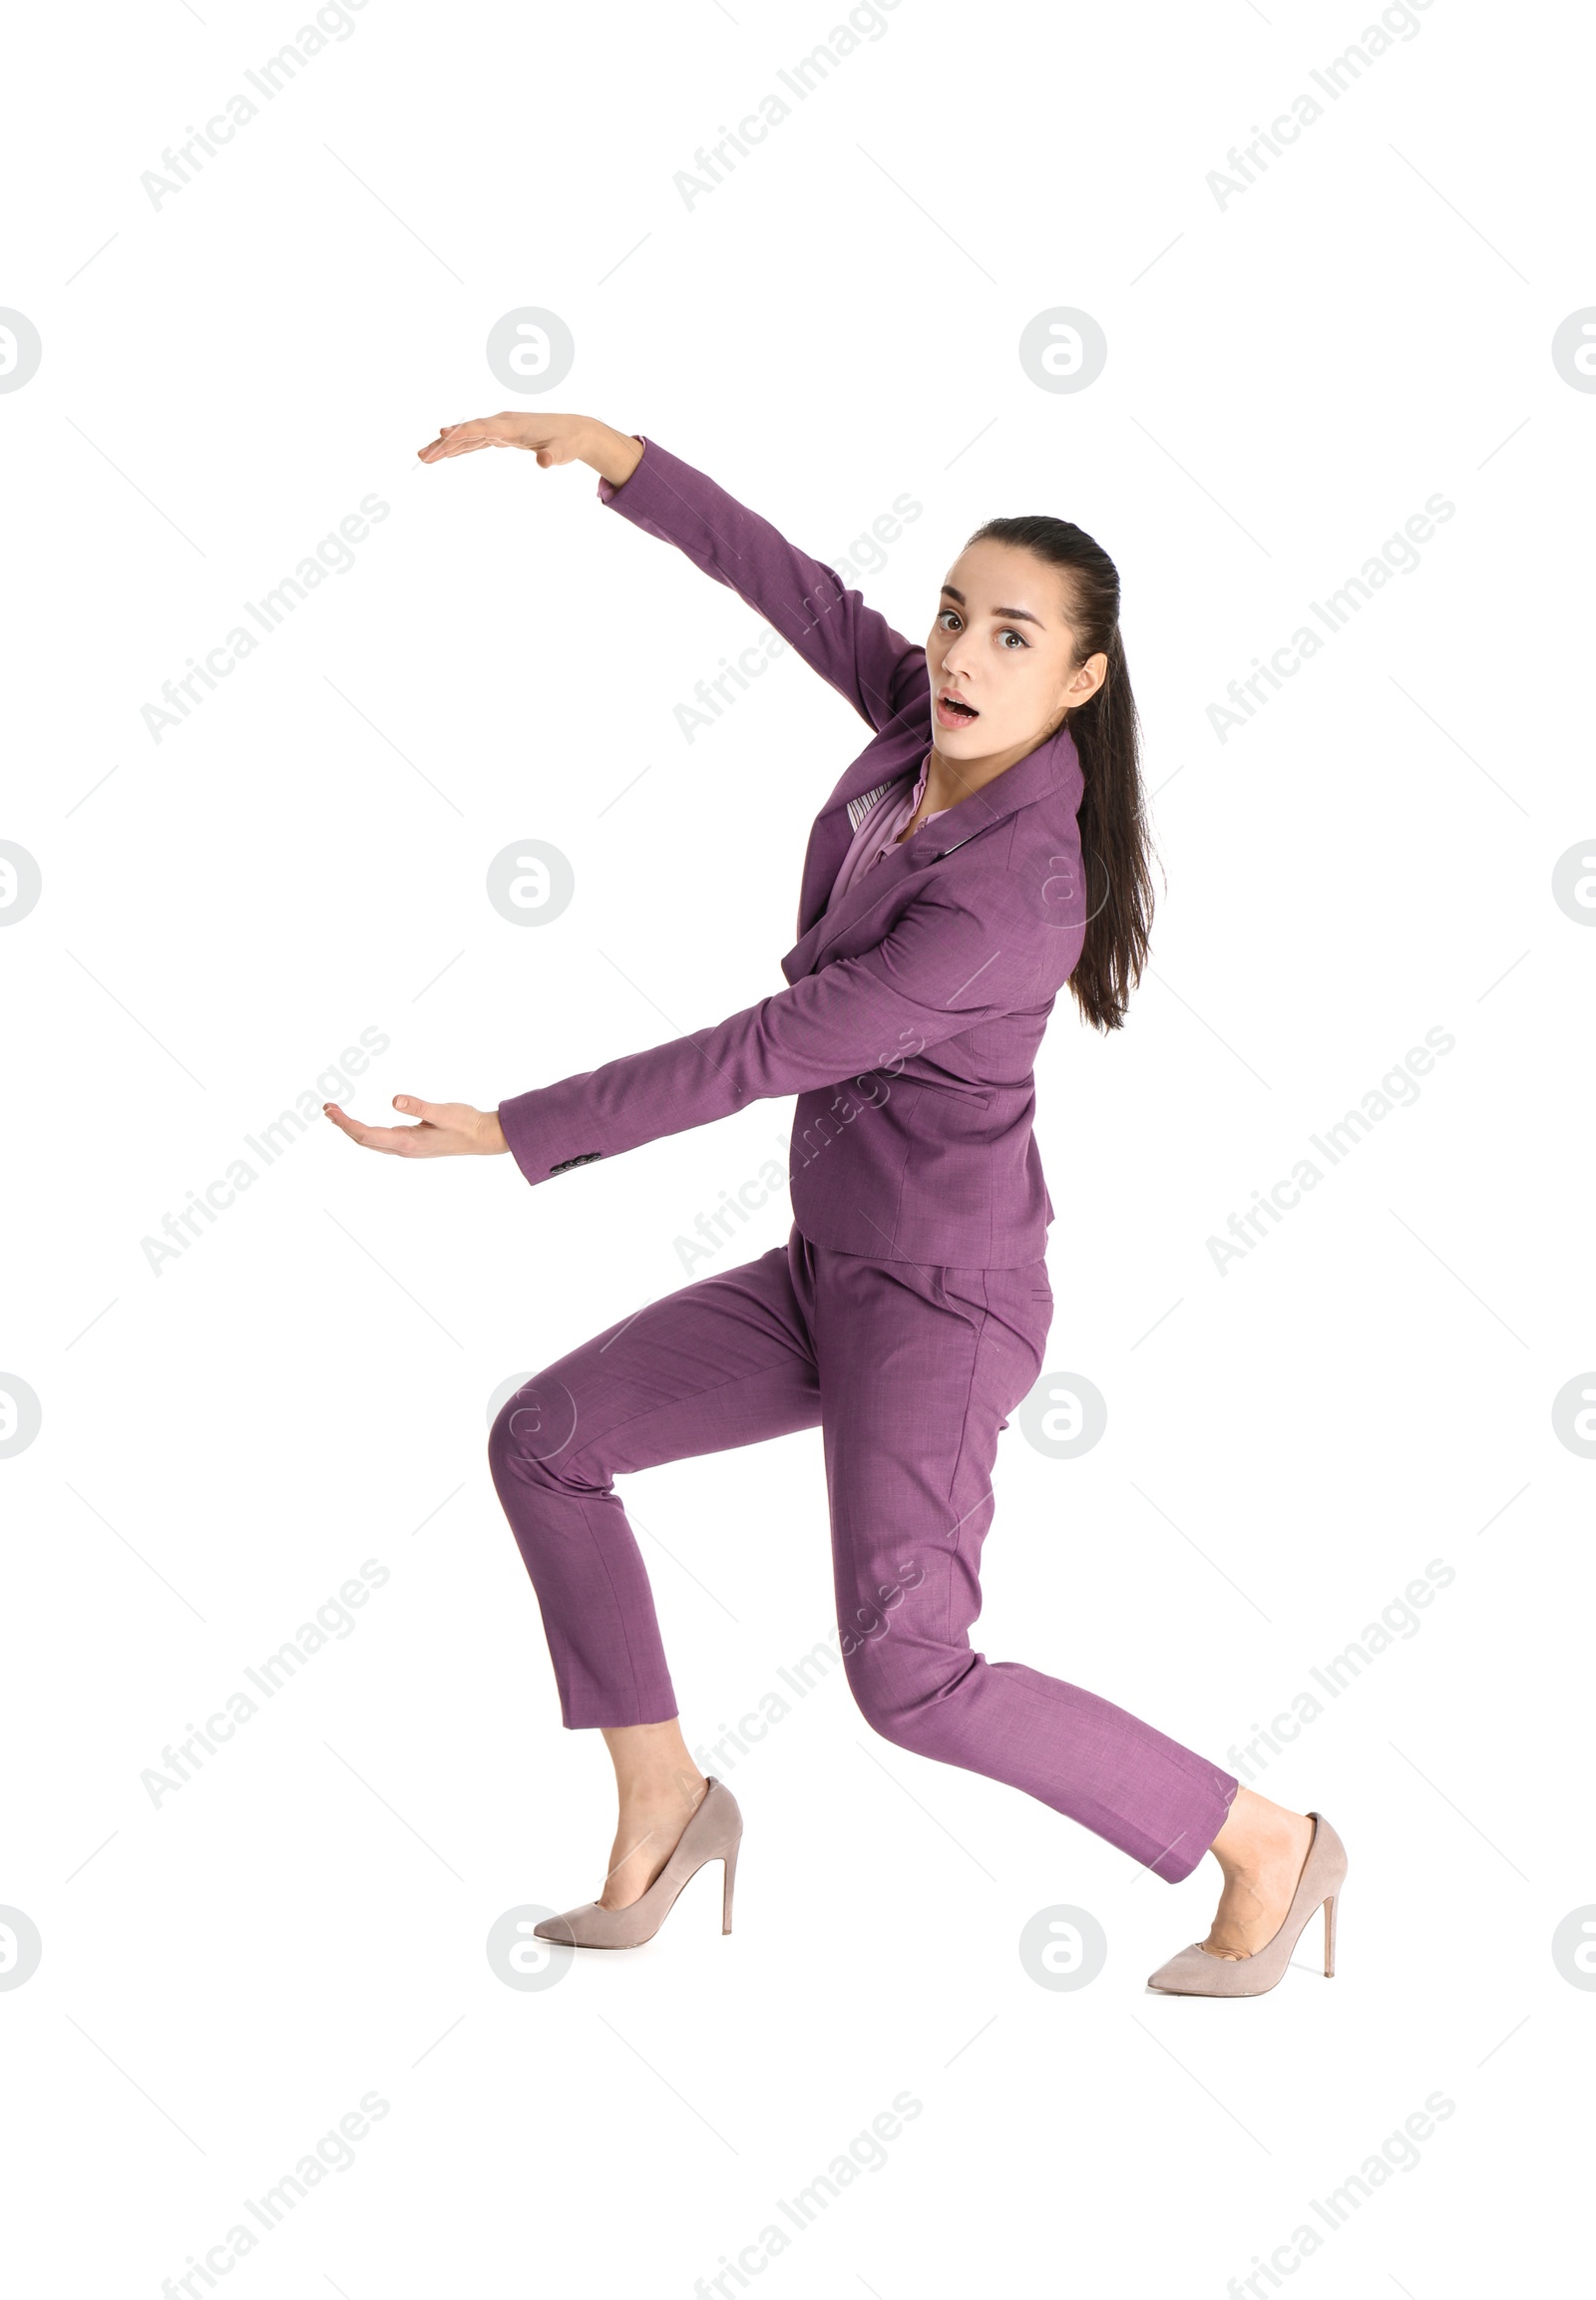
<point>1116,850</point>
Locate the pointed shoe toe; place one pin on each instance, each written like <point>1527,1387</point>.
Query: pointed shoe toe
<point>712,1834</point>
<point>592,1926</point>
<point>1194,1972</point>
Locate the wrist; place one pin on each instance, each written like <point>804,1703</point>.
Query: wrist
<point>613,455</point>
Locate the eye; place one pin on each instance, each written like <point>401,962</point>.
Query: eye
<point>945,614</point>
<point>1011,634</point>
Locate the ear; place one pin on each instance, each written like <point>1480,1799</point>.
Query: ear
<point>1088,678</point>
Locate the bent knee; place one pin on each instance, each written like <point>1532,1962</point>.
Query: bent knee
<point>532,1432</point>
<point>913,1717</point>
<point>884,1709</point>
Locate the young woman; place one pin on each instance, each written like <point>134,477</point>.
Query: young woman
<point>983,850</point>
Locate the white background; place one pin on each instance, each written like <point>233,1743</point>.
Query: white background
<point>1289,1444</point>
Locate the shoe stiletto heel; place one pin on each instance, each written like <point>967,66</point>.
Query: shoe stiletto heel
<point>713,1835</point>
<point>1197,1972</point>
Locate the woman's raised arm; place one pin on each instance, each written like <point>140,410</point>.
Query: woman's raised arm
<point>851,646</point>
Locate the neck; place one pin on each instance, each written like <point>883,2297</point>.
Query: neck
<point>949,780</point>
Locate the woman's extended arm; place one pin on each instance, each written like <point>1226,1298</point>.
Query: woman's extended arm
<point>950,962</point>
<point>851,646</point>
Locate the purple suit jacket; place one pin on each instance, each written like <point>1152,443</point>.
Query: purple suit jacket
<point>916,1003</point>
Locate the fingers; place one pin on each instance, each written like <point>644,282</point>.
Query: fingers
<point>444,1129</point>
<point>394,1139</point>
<point>550,437</point>
<point>464,438</point>
<point>453,439</point>
<point>449,442</point>
<point>398,1141</point>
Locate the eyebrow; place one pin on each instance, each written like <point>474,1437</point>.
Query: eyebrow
<point>1013,614</point>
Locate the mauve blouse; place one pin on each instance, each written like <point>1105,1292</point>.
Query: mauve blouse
<point>878,831</point>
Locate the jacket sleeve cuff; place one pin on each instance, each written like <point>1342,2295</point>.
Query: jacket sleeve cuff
<point>537,1129</point>
<point>607,489</point>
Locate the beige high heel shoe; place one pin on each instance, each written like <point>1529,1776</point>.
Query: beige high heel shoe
<point>1197,1972</point>
<point>713,1835</point>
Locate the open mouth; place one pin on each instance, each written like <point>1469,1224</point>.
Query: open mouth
<point>954,711</point>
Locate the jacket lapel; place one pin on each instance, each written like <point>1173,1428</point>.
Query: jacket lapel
<point>1053,764</point>
<point>896,750</point>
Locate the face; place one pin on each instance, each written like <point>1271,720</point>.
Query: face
<point>1001,645</point>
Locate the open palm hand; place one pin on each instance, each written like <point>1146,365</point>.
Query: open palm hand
<point>443,1130</point>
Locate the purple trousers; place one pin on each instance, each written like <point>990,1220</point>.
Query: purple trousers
<point>909,1369</point>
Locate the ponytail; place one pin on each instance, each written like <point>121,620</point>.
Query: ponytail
<point>1106,730</point>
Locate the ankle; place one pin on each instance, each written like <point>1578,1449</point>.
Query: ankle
<point>680,1791</point>
<point>1258,1835</point>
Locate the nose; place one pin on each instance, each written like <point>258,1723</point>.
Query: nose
<point>953,659</point>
